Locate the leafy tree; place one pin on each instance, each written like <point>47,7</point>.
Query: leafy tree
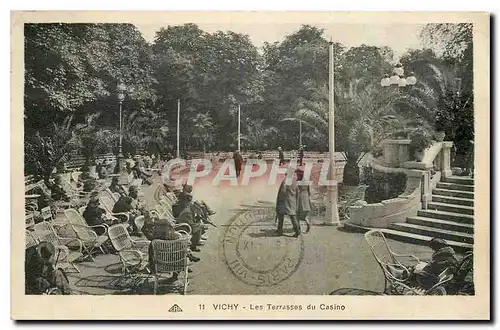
<point>203,130</point>
<point>44,153</point>
<point>364,117</point>
<point>259,135</point>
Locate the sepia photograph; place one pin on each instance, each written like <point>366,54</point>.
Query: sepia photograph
<point>209,157</point>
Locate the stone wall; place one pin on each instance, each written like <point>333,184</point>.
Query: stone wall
<point>419,184</point>
<point>380,215</point>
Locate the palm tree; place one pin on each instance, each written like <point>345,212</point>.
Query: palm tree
<point>44,153</point>
<point>259,135</point>
<point>144,128</point>
<point>364,117</point>
<point>441,104</point>
<point>202,130</point>
<point>436,98</point>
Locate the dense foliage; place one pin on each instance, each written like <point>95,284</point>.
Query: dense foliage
<point>72,72</point>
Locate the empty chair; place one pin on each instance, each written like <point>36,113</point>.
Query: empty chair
<point>91,241</point>
<point>46,214</point>
<point>30,220</point>
<point>45,232</point>
<point>31,240</point>
<point>129,250</point>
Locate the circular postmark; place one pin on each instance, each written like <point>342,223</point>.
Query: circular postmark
<point>254,254</point>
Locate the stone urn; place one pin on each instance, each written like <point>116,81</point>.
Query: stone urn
<point>440,135</point>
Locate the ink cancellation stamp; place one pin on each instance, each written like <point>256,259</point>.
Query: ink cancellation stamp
<point>254,262</point>
<point>250,165</point>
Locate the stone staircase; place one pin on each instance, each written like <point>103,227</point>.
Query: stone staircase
<point>450,216</point>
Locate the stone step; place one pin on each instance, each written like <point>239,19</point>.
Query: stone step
<point>453,193</point>
<point>467,180</point>
<point>455,186</point>
<point>422,239</point>
<point>443,224</point>
<point>434,232</point>
<point>451,208</point>
<point>453,200</point>
<point>443,215</point>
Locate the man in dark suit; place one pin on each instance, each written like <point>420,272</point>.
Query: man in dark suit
<point>281,156</point>
<point>238,162</point>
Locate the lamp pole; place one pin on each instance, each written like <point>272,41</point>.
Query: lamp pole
<point>239,127</point>
<point>178,126</point>
<point>332,212</point>
<point>121,96</point>
<point>300,132</point>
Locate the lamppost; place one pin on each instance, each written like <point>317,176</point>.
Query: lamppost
<point>332,211</point>
<point>121,96</point>
<point>398,79</point>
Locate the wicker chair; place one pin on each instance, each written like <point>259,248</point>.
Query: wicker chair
<point>45,232</point>
<point>398,276</point>
<point>46,214</point>
<point>129,250</point>
<point>108,203</point>
<point>31,240</point>
<point>91,241</point>
<point>170,257</point>
<point>30,220</point>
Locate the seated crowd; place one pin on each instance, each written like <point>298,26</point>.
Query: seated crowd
<point>126,210</point>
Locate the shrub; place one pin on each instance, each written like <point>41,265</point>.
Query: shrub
<point>420,140</point>
<point>382,186</point>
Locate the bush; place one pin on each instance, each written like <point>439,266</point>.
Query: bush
<point>420,140</point>
<point>382,186</point>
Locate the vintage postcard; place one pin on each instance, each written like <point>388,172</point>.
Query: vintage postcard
<point>250,165</point>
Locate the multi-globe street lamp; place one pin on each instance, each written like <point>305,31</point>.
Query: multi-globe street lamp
<point>398,78</point>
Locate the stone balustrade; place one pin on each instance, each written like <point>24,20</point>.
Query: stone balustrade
<point>421,179</point>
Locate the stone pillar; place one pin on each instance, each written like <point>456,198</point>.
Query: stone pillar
<point>426,189</point>
<point>420,178</point>
<point>445,159</point>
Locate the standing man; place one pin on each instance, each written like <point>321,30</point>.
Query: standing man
<point>304,196</point>
<point>281,156</point>
<point>238,162</point>
<point>286,204</point>
<point>301,155</point>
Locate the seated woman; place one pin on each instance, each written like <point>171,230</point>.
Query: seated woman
<point>443,257</point>
<point>117,188</point>
<point>126,204</point>
<point>162,228</point>
<point>40,275</point>
<point>57,191</point>
<point>95,215</point>
<point>183,197</point>
<point>141,173</point>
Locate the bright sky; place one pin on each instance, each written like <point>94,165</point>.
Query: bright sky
<point>400,37</point>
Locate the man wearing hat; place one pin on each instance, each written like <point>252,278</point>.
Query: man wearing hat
<point>40,275</point>
<point>281,156</point>
<point>301,155</point>
<point>191,215</point>
<point>303,196</point>
<point>286,204</point>
<point>443,257</point>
